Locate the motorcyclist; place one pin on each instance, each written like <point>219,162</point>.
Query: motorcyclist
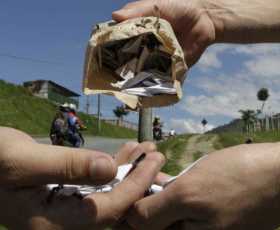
<point>74,127</point>
<point>59,125</point>
<point>157,132</point>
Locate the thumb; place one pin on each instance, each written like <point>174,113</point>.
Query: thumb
<point>29,163</point>
<point>134,10</point>
<point>110,208</point>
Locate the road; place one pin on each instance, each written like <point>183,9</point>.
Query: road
<point>108,145</point>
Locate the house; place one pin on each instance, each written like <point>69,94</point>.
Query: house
<point>52,91</point>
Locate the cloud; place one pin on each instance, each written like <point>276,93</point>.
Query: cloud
<point>225,93</point>
<point>189,126</point>
<point>210,59</point>
<point>253,50</point>
<point>265,65</point>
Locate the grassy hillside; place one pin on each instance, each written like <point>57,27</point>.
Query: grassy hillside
<point>235,126</point>
<point>20,110</point>
<point>231,139</point>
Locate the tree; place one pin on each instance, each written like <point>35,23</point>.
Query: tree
<point>263,95</point>
<point>120,112</point>
<point>204,122</point>
<point>249,117</point>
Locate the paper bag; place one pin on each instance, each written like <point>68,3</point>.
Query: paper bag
<point>142,53</point>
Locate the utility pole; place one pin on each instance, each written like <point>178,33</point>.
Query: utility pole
<point>98,113</point>
<point>145,125</point>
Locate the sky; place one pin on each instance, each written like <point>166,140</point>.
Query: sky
<point>47,40</point>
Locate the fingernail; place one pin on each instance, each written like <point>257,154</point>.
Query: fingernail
<point>102,169</point>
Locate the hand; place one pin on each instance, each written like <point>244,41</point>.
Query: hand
<point>27,166</point>
<point>194,28</point>
<point>131,150</point>
<point>235,188</point>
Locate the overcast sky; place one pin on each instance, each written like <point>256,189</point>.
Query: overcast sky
<point>47,40</point>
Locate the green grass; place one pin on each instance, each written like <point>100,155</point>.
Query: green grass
<point>107,130</point>
<point>173,149</point>
<point>33,115</point>
<point>197,155</point>
<point>232,139</point>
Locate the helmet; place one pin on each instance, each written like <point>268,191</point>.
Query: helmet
<point>73,107</point>
<point>65,105</point>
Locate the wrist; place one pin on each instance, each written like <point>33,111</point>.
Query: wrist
<point>239,21</point>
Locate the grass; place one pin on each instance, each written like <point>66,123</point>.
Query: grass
<point>107,130</point>
<point>33,115</point>
<point>173,149</point>
<point>197,155</point>
<point>231,139</point>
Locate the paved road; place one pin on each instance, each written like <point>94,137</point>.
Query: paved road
<point>108,145</point>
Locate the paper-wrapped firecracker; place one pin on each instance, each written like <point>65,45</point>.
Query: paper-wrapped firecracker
<point>139,61</point>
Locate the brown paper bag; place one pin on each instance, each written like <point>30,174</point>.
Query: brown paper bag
<point>114,46</point>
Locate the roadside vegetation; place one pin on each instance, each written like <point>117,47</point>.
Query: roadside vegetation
<point>231,139</point>
<point>20,110</point>
<point>173,149</point>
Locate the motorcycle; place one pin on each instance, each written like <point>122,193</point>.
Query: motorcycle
<point>68,138</point>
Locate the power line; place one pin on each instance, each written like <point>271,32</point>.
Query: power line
<point>34,60</point>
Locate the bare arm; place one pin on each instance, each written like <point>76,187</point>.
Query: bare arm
<point>245,21</point>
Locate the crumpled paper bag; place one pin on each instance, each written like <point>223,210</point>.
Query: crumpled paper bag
<point>108,50</point>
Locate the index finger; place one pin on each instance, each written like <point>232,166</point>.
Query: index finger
<point>107,209</point>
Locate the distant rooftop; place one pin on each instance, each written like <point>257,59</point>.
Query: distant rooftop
<point>69,92</point>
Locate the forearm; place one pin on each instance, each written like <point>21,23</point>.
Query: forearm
<point>245,21</point>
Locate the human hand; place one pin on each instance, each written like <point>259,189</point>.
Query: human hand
<point>199,23</point>
<point>131,150</point>
<point>235,188</point>
<point>194,28</point>
<point>27,166</point>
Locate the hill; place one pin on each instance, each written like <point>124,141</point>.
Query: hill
<point>229,139</point>
<point>20,110</point>
<point>235,126</point>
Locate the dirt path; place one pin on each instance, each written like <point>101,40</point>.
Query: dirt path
<point>198,146</point>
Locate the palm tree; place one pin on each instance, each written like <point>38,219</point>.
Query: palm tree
<point>204,122</point>
<point>120,112</point>
<point>263,95</point>
<point>249,117</point>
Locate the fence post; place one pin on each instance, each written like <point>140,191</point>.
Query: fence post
<point>266,123</point>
